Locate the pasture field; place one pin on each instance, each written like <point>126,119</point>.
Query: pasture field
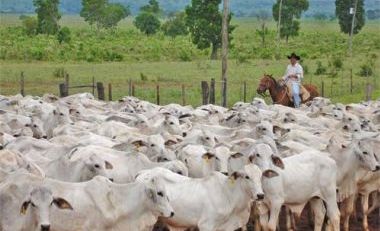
<point>123,54</point>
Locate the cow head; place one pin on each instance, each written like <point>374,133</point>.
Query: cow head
<point>37,127</point>
<point>264,157</point>
<point>96,166</point>
<point>39,202</point>
<point>364,151</point>
<point>252,186</point>
<point>158,200</point>
<point>171,124</point>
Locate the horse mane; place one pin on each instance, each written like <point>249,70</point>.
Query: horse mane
<point>278,86</point>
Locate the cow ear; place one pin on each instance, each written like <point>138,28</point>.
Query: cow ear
<point>170,142</point>
<point>216,140</point>
<point>276,128</point>
<point>251,158</point>
<point>108,165</point>
<point>207,156</point>
<point>236,175</point>
<point>62,203</point>
<point>138,143</point>
<point>270,173</point>
<point>237,155</point>
<point>24,207</point>
<point>349,108</point>
<point>278,162</point>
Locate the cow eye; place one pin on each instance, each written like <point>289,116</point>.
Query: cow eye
<point>207,138</point>
<point>247,177</point>
<point>152,145</point>
<point>97,166</point>
<point>61,114</point>
<point>264,129</point>
<point>171,123</point>
<point>77,112</point>
<point>350,119</point>
<point>258,155</point>
<point>160,194</point>
<point>365,153</point>
<point>34,126</point>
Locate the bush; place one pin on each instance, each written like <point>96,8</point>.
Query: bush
<point>321,70</point>
<point>30,24</point>
<point>147,23</point>
<point>175,26</point>
<point>365,70</point>
<point>64,35</point>
<point>337,63</point>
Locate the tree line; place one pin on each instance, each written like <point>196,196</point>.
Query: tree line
<point>201,19</point>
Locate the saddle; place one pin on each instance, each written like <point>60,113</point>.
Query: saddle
<point>305,94</point>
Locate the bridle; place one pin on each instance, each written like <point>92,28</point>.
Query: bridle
<point>264,86</point>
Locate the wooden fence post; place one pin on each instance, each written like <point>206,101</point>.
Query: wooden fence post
<point>183,95</point>
<point>67,81</point>
<point>224,92</point>
<point>22,84</point>
<point>93,86</point>
<point>323,88</point>
<point>245,91</point>
<point>62,90</point>
<point>100,88</point>
<point>133,90</point>
<point>212,91</point>
<point>351,81</point>
<point>368,92</point>
<point>158,94</point>
<point>205,92</point>
<point>109,92</point>
<point>129,87</point>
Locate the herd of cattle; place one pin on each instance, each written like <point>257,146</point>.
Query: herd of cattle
<point>76,163</point>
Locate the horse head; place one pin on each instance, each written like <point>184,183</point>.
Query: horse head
<point>266,82</point>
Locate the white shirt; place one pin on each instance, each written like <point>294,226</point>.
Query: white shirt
<point>294,70</point>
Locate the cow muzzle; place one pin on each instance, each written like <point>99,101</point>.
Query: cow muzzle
<point>260,196</point>
<point>45,227</point>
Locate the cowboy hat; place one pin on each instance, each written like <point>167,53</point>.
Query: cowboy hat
<point>293,55</point>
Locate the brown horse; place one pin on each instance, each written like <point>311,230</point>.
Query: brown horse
<point>278,92</point>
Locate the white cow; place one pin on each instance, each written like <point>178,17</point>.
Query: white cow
<point>101,205</point>
<point>282,180</point>
<point>213,203</point>
<point>24,207</point>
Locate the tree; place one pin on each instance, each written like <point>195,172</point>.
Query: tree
<point>30,24</point>
<point>47,16</point>
<point>112,14</point>
<point>262,16</point>
<point>64,35</point>
<point>102,13</point>
<point>342,11</point>
<point>205,24</point>
<point>290,12</point>
<point>176,25</point>
<point>152,7</point>
<point>147,21</point>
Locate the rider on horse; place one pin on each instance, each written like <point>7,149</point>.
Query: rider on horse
<point>293,77</point>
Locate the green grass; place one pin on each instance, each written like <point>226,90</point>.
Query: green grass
<point>160,59</point>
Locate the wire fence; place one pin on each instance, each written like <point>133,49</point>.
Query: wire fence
<point>187,92</point>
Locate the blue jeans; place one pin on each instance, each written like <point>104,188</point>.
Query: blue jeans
<point>296,94</point>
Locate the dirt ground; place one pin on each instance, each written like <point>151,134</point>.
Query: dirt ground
<point>355,222</point>
<point>305,225</point>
